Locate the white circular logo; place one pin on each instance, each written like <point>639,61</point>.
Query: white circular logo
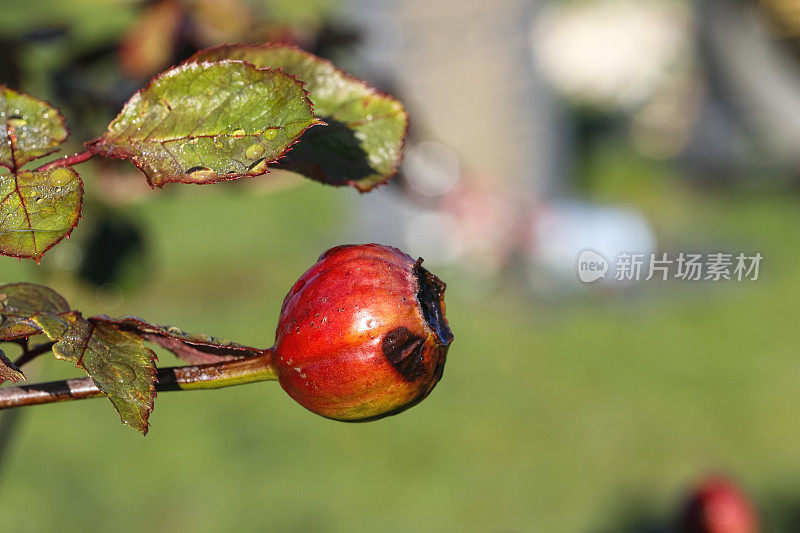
<point>591,266</point>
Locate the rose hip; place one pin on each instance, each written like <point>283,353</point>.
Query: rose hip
<point>362,334</point>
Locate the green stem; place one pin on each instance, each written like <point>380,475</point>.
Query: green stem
<point>218,375</point>
<point>191,377</point>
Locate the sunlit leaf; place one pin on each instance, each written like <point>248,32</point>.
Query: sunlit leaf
<point>20,301</point>
<point>8,370</point>
<point>206,122</point>
<point>362,145</point>
<point>29,128</point>
<point>37,209</point>
<point>117,361</point>
<point>194,348</point>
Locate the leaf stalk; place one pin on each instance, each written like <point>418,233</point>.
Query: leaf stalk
<point>67,161</point>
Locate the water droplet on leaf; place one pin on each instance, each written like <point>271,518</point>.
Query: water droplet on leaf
<point>60,176</point>
<point>254,151</point>
<point>258,167</point>
<point>201,174</point>
<point>239,133</point>
<point>16,121</point>
<point>270,134</point>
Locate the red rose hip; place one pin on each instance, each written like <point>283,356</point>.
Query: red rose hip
<point>719,506</point>
<point>362,334</point>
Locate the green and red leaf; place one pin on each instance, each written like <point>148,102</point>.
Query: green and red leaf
<point>37,209</point>
<point>20,301</point>
<point>117,361</point>
<point>194,348</point>
<point>363,143</point>
<point>210,121</point>
<point>29,128</point>
<point>110,350</point>
<point>8,370</point>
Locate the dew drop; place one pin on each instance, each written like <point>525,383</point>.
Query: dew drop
<point>120,372</point>
<point>201,174</point>
<point>202,337</point>
<point>270,134</point>
<point>39,199</point>
<point>174,330</point>
<point>258,167</point>
<point>16,121</point>
<point>60,176</point>
<point>254,151</point>
<point>239,133</point>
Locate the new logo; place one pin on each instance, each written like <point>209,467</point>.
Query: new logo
<point>591,266</point>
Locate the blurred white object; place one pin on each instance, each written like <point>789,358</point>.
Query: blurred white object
<point>562,231</point>
<point>611,53</point>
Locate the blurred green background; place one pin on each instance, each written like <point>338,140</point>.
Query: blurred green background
<point>589,412</point>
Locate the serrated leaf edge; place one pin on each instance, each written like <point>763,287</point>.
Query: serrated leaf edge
<point>38,257</point>
<point>346,75</point>
<point>64,124</point>
<point>113,152</point>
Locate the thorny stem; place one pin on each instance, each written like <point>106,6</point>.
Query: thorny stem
<point>68,161</point>
<point>191,377</point>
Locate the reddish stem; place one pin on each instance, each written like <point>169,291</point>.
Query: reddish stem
<point>68,161</point>
<point>191,377</point>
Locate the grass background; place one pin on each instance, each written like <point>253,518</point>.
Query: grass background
<point>592,413</point>
<point>587,414</point>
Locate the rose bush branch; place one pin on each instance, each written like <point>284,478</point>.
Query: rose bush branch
<point>189,377</point>
<point>361,335</point>
<point>67,161</point>
<point>226,113</point>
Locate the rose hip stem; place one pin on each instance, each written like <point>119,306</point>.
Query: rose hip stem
<point>191,377</point>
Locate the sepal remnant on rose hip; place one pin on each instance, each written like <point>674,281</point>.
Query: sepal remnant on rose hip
<point>362,334</point>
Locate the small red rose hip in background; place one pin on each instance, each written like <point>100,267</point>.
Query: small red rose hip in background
<point>362,334</point>
<point>718,506</point>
